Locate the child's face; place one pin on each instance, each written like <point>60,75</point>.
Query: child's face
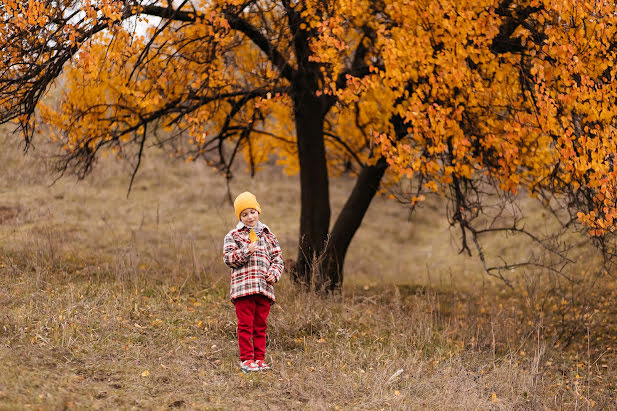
<point>250,217</point>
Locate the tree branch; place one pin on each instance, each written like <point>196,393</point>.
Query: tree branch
<point>275,56</point>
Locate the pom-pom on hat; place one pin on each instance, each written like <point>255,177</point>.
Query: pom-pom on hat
<point>246,200</point>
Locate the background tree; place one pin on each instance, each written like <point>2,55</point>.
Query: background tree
<point>231,76</point>
<point>465,98</point>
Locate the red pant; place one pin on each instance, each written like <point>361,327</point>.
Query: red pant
<point>252,312</point>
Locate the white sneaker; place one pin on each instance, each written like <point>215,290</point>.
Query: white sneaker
<point>263,365</point>
<point>248,366</point>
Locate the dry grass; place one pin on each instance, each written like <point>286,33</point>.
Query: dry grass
<point>109,302</point>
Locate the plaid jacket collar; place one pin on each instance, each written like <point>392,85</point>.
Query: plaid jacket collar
<point>260,226</point>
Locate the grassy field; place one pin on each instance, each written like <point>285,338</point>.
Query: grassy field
<point>111,302</point>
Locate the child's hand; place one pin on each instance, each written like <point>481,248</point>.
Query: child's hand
<point>271,279</point>
<point>252,247</point>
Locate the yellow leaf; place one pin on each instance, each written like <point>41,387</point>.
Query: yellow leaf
<point>252,236</point>
<point>145,373</point>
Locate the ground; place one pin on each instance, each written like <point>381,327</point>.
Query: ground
<point>111,301</point>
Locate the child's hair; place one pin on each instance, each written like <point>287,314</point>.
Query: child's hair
<point>246,200</point>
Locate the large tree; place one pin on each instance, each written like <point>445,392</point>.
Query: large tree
<point>455,96</point>
<point>230,76</point>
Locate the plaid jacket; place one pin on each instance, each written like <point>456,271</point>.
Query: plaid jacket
<point>249,271</point>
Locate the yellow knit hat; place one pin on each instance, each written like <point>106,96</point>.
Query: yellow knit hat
<point>244,201</point>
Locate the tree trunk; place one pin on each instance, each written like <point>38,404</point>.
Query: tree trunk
<point>320,258</point>
<point>348,222</point>
<point>315,197</point>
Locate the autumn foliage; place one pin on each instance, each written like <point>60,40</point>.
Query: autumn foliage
<point>454,96</point>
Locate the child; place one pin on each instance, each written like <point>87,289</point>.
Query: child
<point>254,255</point>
